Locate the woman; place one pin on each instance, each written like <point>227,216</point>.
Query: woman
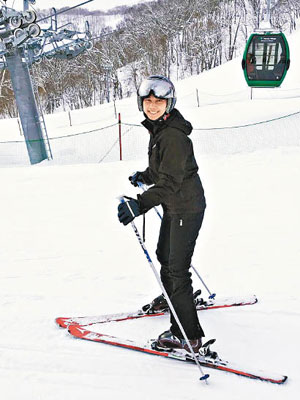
<point>177,187</point>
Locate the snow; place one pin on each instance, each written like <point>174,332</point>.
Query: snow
<point>64,253</point>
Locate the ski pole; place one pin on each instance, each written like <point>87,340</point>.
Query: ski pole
<point>142,244</point>
<point>211,295</point>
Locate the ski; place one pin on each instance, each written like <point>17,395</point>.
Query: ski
<point>209,360</point>
<point>208,304</point>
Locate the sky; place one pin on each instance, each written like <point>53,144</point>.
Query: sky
<point>93,5</point>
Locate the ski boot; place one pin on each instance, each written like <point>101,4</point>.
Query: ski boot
<point>159,304</point>
<point>168,342</point>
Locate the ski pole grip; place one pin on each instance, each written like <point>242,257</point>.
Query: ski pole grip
<point>121,199</point>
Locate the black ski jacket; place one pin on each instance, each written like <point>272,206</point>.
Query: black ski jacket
<point>172,169</point>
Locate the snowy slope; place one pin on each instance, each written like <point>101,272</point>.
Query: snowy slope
<point>64,253</point>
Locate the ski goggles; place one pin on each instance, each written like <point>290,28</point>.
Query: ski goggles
<point>161,88</point>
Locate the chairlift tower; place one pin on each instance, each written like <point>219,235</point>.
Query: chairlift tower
<point>22,43</point>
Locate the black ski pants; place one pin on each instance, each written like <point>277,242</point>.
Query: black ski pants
<point>177,239</point>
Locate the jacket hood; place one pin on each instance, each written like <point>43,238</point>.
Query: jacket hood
<point>175,120</point>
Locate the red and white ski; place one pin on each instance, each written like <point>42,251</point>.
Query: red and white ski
<point>210,362</point>
<point>208,304</point>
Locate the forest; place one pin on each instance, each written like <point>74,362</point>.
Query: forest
<point>176,38</point>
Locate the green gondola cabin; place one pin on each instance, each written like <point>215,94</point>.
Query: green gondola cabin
<point>266,59</point>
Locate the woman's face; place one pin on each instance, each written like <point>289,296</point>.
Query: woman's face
<point>154,107</point>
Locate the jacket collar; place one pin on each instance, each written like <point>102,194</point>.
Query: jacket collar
<point>155,126</point>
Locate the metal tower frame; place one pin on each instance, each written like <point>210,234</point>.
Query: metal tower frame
<point>24,42</point>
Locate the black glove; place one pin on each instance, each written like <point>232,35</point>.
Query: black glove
<point>135,178</point>
<point>128,210</point>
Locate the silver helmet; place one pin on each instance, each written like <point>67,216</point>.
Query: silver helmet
<point>161,87</point>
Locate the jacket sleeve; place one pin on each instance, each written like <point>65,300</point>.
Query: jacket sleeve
<point>173,152</point>
<point>146,176</point>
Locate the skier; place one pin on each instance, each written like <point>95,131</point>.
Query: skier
<point>172,172</point>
